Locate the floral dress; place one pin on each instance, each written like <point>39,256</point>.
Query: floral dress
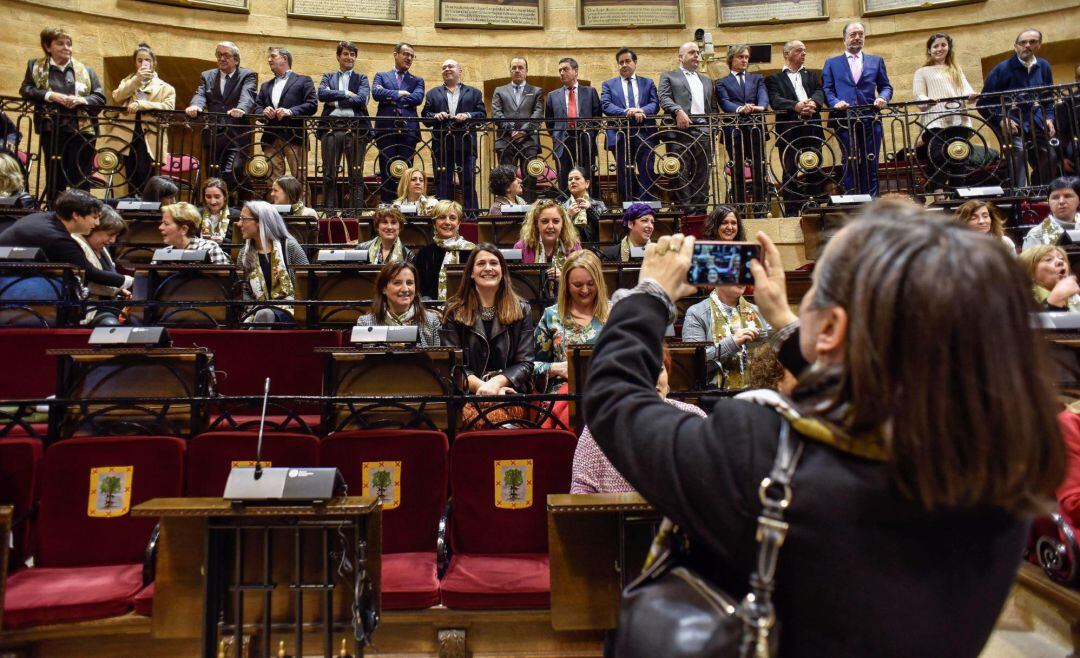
<point>554,336</point>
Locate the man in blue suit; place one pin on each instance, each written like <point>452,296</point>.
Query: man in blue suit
<point>744,95</point>
<point>631,96</point>
<point>399,93</point>
<point>447,111</point>
<point>344,94</point>
<point>574,141</point>
<point>283,101</point>
<point>857,80</point>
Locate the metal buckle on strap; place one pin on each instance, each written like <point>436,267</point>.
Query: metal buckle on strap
<point>767,501</point>
<point>776,530</point>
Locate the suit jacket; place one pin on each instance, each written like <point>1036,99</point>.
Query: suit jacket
<point>45,231</point>
<point>239,92</point>
<point>730,96</point>
<point>391,104</point>
<point>332,97</point>
<point>505,106</point>
<point>782,96</point>
<point>515,342</point>
<point>614,103</point>
<point>840,86</point>
<point>470,101</point>
<point>298,96</point>
<point>1011,74</point>
<point>588,106</point>
<point>64,84</point>
<point>674,93</point>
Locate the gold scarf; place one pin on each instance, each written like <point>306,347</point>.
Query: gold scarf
<point>724,326</point>
<point>582,216</point>
<point>281,285</point>
<point>558,256</point>
<point>218,229</point>
<point>452,246</point>
<point>375,257</point>
<point>40,73</point>
<point>1051,231</point>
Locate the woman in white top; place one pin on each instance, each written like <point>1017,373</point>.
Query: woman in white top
<point>944,120</point>
<point>410,192</point>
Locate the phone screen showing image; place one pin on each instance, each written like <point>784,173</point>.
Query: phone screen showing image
<point>717,263</point>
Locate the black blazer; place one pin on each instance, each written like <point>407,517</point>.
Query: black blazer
<point>428,262</point>
<point>63,83</point>
<point>331,97</point>
<point>470,101</point>
<point>782,98</point>
<point>515,341</point>
<point>298,96</point>
<point>45,231</point>
<point>239,92</point>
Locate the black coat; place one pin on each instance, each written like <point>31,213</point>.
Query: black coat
<point>428,262</point>
<point>515,341</point>
<point>865,571</point>
<point>46,231</point>
<point>298,96</point>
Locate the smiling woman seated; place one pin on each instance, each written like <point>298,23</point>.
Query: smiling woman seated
<point>181,227</point>
<point>399,305</point>
<point>386,246</point>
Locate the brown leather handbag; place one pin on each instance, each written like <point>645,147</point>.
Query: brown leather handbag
<point>672,611</point>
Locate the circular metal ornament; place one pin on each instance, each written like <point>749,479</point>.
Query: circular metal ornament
<point>536,167</point>
<point>959,150</point>
<point>398,168</point>
<point>809,160</point>
<point>108,161</point>
<point>670,165</point>
<point>258,167</point>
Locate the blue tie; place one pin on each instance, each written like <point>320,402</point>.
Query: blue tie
<point>629,92</point>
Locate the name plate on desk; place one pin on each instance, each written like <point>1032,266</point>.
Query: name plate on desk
<point>156,336</point>
<point>407,208</point>
<point>637,252</point>
<point>283,208</point>
<point>511,255</point>
<point>170,255</point>
<point>22,253</point>
<point>973,192</point>
<point>286,485</point>
<point>848,199</point>
<point>342,256</point>
<point>128,204</point>
<point>655,205</point>
<point>516,209</point>
<point>1061,321</point>
<point>384,334</point>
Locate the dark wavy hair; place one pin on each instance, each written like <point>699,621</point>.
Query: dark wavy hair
<point>379,306</point>
<point>464,305</point>
<point>711,230</point>
<point>501,178</point>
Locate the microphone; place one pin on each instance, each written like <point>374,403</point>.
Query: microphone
<point>262,424</point>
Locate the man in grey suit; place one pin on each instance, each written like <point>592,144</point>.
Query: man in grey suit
<point>685,92</point>
<point>517,142</point>
<point>228,89</point>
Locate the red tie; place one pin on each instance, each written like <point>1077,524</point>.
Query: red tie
<point>571,107</point>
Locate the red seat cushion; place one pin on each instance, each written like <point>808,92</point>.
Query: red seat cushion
<point>497,581</point>
<point>144,601</point>
<point>55,596</point>
<point>409,581</point>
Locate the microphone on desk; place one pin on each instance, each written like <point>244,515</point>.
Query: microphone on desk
<point>262,424</point>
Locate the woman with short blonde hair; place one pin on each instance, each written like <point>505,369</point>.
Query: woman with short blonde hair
<point>181,228</point>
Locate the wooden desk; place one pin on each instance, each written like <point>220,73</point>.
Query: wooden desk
<point>20,307</point>
<point>344,283</point>
<point>190,282</point>
<point>214,555</point>
<point>595,546</point>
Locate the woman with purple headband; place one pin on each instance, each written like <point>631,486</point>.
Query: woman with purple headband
<point>638,224</point>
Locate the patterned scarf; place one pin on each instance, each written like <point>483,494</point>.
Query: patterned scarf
<point>374,252</point>
<point>558,257</point>
<point>403,320</point>
<point>281,285</point>
<point>452,246</point>
<point>725,320</point>
<point>83,85</point>
<point>297,208</point>
<point>582,216</point>
<point>624,248</point>
<point>1051,231</point>
<point>215,226</point>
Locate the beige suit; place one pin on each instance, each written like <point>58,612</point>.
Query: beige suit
<point>160,95</point>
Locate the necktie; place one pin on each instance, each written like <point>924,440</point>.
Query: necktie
<point>571,106</point>
<point>400,79</point>
<point>224,83</point>
<point>856,67</point>
<point>630,100</point>
<point>742,85</point>
<point>517,92</point>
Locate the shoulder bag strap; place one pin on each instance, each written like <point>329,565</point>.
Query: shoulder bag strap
<point>756,609</point>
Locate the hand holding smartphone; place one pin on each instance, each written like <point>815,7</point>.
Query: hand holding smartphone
<point>717,263</point>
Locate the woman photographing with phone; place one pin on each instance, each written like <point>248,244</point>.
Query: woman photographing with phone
<point>909,506</point>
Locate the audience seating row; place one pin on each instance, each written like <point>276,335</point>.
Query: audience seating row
<point>497,531</point>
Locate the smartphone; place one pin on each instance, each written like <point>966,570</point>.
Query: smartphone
<point>716,263</point>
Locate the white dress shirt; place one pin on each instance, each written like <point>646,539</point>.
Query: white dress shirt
<point>697,91</point>
<point>278,88</point>
<point>343,85</point>
<point>796,81</point>
<point>452,99</point>
<point>224,81</point>
<point>632,101</point>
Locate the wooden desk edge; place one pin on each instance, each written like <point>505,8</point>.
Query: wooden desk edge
<point>207,507</point>
<point>590,503</point>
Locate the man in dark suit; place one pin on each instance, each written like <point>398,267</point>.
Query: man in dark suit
<point>631,96</point>
<point>1028,125</point>
<point>796,96</point>
<point>517,142</point>
<point>228,89</point>
<point>283,101</point>
<point>858,79</point>
<point>67,132</point>
<point>743,94</point>
<point>574,141</point>
<point>685,92</point>
<point>447,111</point>
<point>75,213</point>
<point>344,94</point>
<point>399,93</point>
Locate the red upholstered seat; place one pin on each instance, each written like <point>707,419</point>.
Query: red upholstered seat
<point>498,523</point>
<point>338,230</point>
<point>412,507</point>
<point>53,596</point>
<point>693,225</point>
<point>144,601</point>
<point>210,456</point>
<point>24,353</point>
<point>20,461</point>
<point>470,231</point>
<point>89,550</point>
<point>410,581</point>
<point>497,581</point>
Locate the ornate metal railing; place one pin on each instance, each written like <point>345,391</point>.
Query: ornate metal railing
<point>762,163</point>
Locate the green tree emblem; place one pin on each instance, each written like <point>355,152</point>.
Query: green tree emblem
<point>110,486</point>
<point>513,478</point>
<point>381,481</point>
